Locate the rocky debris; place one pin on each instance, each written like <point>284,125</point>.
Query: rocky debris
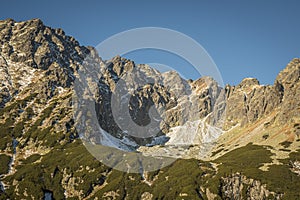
<point>146,196</point>
<point>207,193</point>
<point>69,183</point>
<point>238,186</point>
<point>111,195</point>
<point>296,167</point>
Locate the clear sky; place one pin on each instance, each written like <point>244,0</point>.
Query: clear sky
<point>254,38</point>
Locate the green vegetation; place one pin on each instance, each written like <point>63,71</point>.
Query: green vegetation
<point>4,161</point>
<point>9,113</point>
<point>245,160</point>
<point>48,174</point>
<point>183,177</point>
<point>248,159</point>
<point>31,159</point>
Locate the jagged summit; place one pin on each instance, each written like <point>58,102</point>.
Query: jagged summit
<point>30,50</point>
<point>290,74</point>
<point>248,82</point>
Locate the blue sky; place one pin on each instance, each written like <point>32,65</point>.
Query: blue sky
<point>245,38</point>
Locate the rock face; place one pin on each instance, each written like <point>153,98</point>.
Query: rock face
<point>248,102</point>
<point>121,74</point>
<point>255,101</point>
<point>288,80</point>
<point>157,102</point>
<point>238,186</point>
<point>29,47</point>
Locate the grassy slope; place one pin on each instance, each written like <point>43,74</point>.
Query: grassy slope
<point>182,177</point>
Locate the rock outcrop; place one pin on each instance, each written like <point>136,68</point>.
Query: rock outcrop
<point>238,186</point>
<point>250,101</point>
<point>288,81</point>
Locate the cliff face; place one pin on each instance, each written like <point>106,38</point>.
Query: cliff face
<point>31,52</point>
<point>44,72</point>
<point>250,101</point>
<point>289,82</point>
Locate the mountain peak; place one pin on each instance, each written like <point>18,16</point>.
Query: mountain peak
<point>290,74</point>
<point>248,82</point>
<point>36,45</point>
